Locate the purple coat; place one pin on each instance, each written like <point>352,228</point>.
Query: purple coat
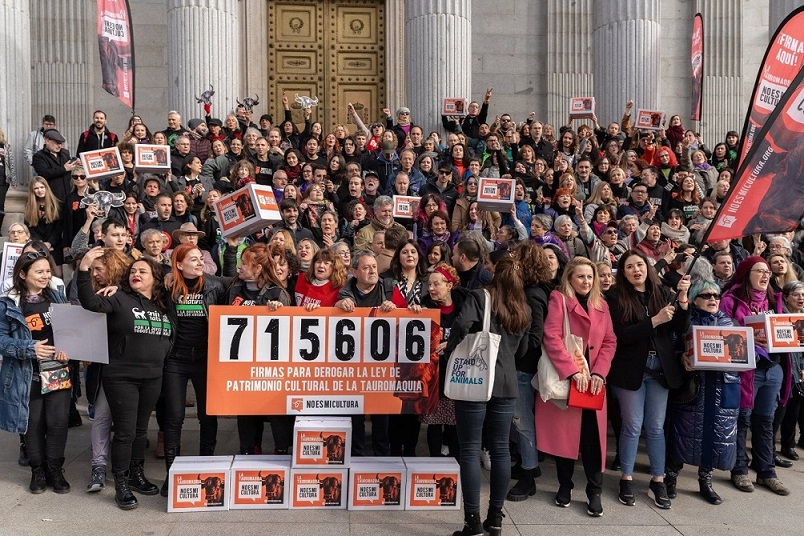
<point>737,310</point>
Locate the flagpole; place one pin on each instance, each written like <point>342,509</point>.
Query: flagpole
<point>133,63</point>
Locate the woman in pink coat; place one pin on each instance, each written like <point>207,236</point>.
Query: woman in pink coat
<point>566,432</point>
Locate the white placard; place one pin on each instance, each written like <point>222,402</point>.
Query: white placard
<point>80,333</point>
<point>11,253</point>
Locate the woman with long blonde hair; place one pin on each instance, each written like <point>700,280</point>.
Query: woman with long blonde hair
<point>43,218</point>
<point>572,431</point>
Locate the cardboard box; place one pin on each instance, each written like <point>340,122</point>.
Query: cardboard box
<point>102,163</point>
<point>649,120</point>
<point>319,488</point>
<point>582,107</point>
<point>725,348</point>
<point>454,107</point>
<point>322,441</point>
<point>198,484</point>
<point>260,483</point>
<point>377,483</point>
<point>151,158</point>
<point>245,211</point>
<point>785,332</point>
<point>495,194</point>
<point>432,484</point>
<point>405,206</point>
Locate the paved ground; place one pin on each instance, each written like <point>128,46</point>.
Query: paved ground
<point>79,513</point>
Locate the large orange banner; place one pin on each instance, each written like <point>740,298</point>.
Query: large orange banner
<point>116,47</point>
<point>323,362</point>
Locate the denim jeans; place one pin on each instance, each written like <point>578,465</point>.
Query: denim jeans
<point>767,384</point>
<point>646,406</point>
<point>524,421</point>
<point>497,414</point>
<point>101,432</point>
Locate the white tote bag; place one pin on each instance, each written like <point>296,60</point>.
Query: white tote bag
<point>470,369</point>
<point>546,380</point>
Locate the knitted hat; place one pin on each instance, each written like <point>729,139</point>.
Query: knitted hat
<point>193,123</point>
<point>742,270</point>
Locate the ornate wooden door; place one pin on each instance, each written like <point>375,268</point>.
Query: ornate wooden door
<point>333,50</point>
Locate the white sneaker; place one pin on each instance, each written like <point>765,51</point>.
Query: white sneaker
<point>444,450</point>
<point>485,459</point>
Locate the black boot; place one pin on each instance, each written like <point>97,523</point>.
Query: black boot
<point>55,473</point>
<point>471,526</point>
<point>493,522</point>
<point>705,484</point>
<point>123,496</point>
<point>170,455</point>
<point>524,488</point>
<point>38,481</point>
<point>204,449</point>
<point>137,480</point>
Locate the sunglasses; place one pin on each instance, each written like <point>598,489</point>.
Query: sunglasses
<point>610,231</point>
<point>709,296</point>
<point>80,177</point>
<point>444,172</point>
<point>33,255</point>
<point>471,183</point>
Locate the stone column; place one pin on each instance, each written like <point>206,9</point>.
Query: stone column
<point>569,56</point>
<point>15,78</point>
<point>64,48</point>
<point>779,10</point>
<point>15,91</point>
<point>203,48</point>
<point>395,90</point>
<point>627,59</point>
<point>725,80</point>
<point>438,36</point>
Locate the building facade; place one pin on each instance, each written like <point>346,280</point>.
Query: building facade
<point>384,53</point>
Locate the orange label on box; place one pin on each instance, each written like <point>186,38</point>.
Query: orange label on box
<point>433,489</point>
<point>199,490</point>
<point>649,119</point>
<point>582,107</point>
<point>102,163</point>
<point>323,489</point>
<point>786,331</point>
<point>496,190</point>
<point>320,447</point>
<point>259,487</point>
<point>721,345</point>
<point>376,489</point>
<point>405,206</point>
<point>152,156</point>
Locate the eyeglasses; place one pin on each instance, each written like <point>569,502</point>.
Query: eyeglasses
<point>796,294</point>
<point>403,113</point>
<point>640,191</point>
<point>709,296</point>
<point>33,255</point>
<point>761,272</point>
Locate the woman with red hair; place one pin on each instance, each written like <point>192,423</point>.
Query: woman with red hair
<point>664,159</point>
<point>191,295</point>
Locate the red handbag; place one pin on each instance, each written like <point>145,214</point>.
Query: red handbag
<point>586,400</point>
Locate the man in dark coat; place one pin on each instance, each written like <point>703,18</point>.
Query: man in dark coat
<point>53,163</point>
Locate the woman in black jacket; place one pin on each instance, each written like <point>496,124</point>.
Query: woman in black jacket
<point>645,317</point>
<point>510,318</point>
<point>536,269</point>
<point>191,295</point>
<point>140,336</point>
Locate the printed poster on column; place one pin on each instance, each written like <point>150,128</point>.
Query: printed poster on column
<point>322,362</point>
<point>767,192</point>
<point>782,62</point>
<point>115,45</point>
<point>696,59</point>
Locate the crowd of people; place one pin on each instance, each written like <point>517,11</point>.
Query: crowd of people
<point>605,236</point>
